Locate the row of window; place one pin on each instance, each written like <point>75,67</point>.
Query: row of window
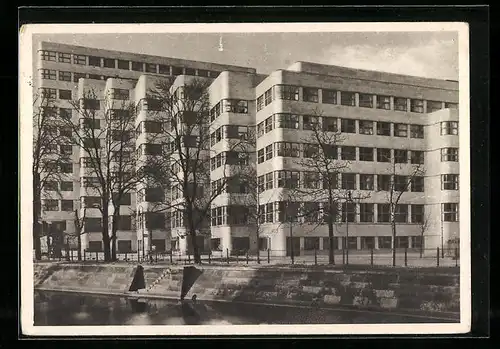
<point>365,242</point>
<point>239,106</point>
<point>229,158</point>
<point>316,212</point>
<point>313,180</point>
<point>68,76</point>
<point>352,99</point>
<point>52,93</point>
<point>101,62</point>
<point>307,150</point>
<point>230,215</point>
<point>333,124</point>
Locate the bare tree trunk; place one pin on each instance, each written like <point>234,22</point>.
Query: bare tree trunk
<point>79,243</point>
<point>331,246</point>
<point>37,213</point>
<point>114,229</point>
<point>105,233</point>
<point>393,226</point>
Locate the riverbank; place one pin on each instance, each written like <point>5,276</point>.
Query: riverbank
<point>422,292</point>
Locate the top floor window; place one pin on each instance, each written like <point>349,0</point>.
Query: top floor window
<point>329,96</point>
<point>202,72</point>
<point>150,68</point>
<point>164,69</point>
<point>137,66</point>
<point>417,106</point>
<point>311,94</point>
<point>122,64</point>
<point>94,61</point>
<point>433,106</point>
<point>384,102</point>
<point>177,70</point>
<point>287,92</point>
<point>400,104</point>
<point>365,100</point>
<point>108,63</point>
<point>48,56</point>
<point>449,105</point>
<point>348,98</point>
<point>190,71</point>
<point>80,59</point>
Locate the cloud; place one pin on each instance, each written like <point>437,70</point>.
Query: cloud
<point>433,59</point>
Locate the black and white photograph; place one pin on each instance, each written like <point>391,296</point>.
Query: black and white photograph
<point>204,179</point>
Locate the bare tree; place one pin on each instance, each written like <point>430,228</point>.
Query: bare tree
<point>184,171</point>
<point>398,182</point>
<point>47,157</point>
<point>105,132</point>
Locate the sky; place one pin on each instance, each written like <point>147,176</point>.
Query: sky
<point>426,54</point>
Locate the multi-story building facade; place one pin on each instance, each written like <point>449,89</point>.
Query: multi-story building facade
<point>383,118</point>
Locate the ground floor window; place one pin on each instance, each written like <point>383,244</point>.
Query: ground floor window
<point>215,244</point>
<point>311,243</point>
<point>241,244</point>
<point>326,244</point>
<point>367,242</point>
<point>384,242</point>
<point>402,242</point>
<point>174,244</point>
<point>350,243</point>
<point>263,244</point>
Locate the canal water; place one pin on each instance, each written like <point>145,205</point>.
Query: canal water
<point>67,309</point>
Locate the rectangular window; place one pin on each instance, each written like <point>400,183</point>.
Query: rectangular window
<point>260,184</point>
<point>367,242</point>
<point>125,223</point>
<point>269,152</point>
<point>330,181</point>
<point>417,157</point>
<point>287,179</point>
<point>348,98</point>
<point>326,244</point>
<point>402,241</point>
<point>260,156</point>
<point>310,212</point>
<point>67,205</point>
<point>449,154</point>
<point>66,149</point>
<point>122,64</point>
<point>384,242</point>
<point>94,61</point>
<point>348,212</point>
<point>287,92</point>
<point>383,182</point>
<point>384,102</point>
<point>80,59</point>
<point>433,106</point>
<point>416,131</point>
<point>120,94</point>
<point>330,124</point>
<point>65,113</point>
<point>203,73</point>
<point>310,150</point>
<point>177,71</point>
<point>400,104</point>
<point>311,243</point>
<point>286,121</point>
<point>417,106</point>
<point>383,155</point>
<point>449,182</point>
<point>152,149</point>
<point>383,128</point>
<point>449,128</point>
<point>401,214</point>
<point>400,130</point>
<point>66,186</point>
<point>365,100</point>
<point>311,180</point>
<point>366,213</point>
<point>269,125</point>
<point>164,69</point>
<point>366,181</point>
<point>269,181</point>
<point>348,153</point>
<point>365,154</point>
<point>66,168</point>
<point>48,74</point>
<point>260,102</point>
<point>417,213</point>
<point>50,205</point>
<point>310,122</point>
<point>287,149</point>
<point>49,56</point>
<point>124,246</point>
<point>449,105</point>
<point>310,94</point>
<point>190,71</point>
<point>64,57</point>
<point>348,181</point>
<point>366,127</point>
<point>150,68</point>
<point>109,63</point>
<point>383,214</point>
<point>137,66</point>
<point>417,184</point>
<point>235,106</point>
<point>65,76</point>
<point>154,195</point>
<point>51,186</point>
<point>401,183</point>
<point>329,96</point>
<point>450,212</point>
<point>66,132</point>
<point>78,76</point>
<point>348,125</point>
<point>400,156</point>
<point>64,94</point>
<point>153,126</point>
<point>90,124</point>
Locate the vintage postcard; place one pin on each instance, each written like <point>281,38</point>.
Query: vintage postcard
<point>222,179</point>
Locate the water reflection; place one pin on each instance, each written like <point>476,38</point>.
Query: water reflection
<point>65,309</point>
